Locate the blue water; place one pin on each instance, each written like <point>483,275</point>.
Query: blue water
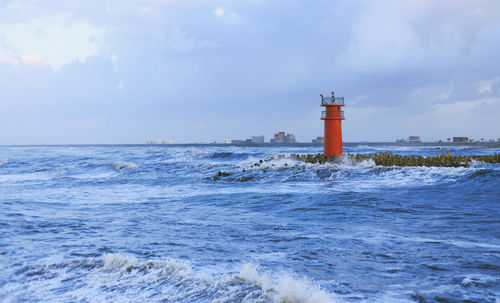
<point>150,224</point>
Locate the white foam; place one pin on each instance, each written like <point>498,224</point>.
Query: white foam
<point>278,162</point>
<point>390,177</point>
<point>249,273</point>
<point>12,178</point>
<point>122,278</point>
<point>365,175</point>
<point>478,279</point>
<point>284,288</point>
<point>296,291</point>
<point>286,161</point>
<point>114,261</point>
<point>181,268</point>
<point>123,165</point>
<point>347,162</point>
<point>379,235</point>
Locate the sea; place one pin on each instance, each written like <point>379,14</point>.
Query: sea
<point>161,223</point>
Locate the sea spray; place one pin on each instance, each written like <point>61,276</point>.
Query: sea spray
<point>284,288</point>
<point>114,261</point>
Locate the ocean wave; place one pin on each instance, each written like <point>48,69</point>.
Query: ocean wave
<point>365,174</point>
<point>222,155</point>
<point>393,177</point>
<point>123,165</point>
<point>346,162</point>
<point>37,176</point>
<point>114,261</point>
<point>284,288</point>
<point>125,279</point>
<point>228,156</point>
<point>479,280</point>
<point>3,161</point>
<point>485,173</point>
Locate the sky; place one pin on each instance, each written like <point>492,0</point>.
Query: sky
<point>125,71</point>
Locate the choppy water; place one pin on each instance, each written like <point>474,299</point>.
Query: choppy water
<point>149,224</point>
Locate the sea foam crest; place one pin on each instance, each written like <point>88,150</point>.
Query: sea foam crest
<point>113,261</point>
<point>282,161</point>
<point>479,280</point>
<point>181,268</point>
<point>278,162</point>
<point>346,162</point>
<point>123,165</point>
<point>173,280</point>
<point>284,288</point>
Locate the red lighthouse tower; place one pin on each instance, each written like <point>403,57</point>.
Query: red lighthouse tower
<point>333,116</point>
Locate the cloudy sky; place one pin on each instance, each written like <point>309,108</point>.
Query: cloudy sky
<point>125,71</point>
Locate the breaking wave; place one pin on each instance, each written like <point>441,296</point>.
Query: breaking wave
<point>166,281</point>
<point>113,261</point>
<point>366,175</point>
<point>284,288</point>
<point>123,165</point>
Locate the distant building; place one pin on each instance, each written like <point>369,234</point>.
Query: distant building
<point>318,140</point>
<point>282,137</point>
<point>290,138</point>
<point>414,139</point>
<point>460,139</point>
<point>226,141</point>
<point>258,139</point>
<point>237,141</point>
<point>159,142</point>
<point>279,138</point>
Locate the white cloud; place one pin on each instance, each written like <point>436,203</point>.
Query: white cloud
<point>473,118</point>
<point>219,12</point>
<point>27,59</point>
<point>32,59</point>
<point>9,59</point>
<point>181,43</point>
<point>460,108</point>
<point>55,41</point>
<point>361,113</point>
<point>144,10</point>
<point>446,94</point>
<point>114,60</point>
<point>485,86</point>
<point>399,34</point>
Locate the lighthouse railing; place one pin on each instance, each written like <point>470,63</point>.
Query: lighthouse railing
<point>333,114</point>
<point>332,100</point>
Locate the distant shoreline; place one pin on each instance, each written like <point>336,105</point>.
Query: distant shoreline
<point>300,144</point>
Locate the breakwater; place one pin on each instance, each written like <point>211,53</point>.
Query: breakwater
<point>390,159</point>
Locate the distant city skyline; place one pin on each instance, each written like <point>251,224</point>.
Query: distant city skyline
<point>94,72</point>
